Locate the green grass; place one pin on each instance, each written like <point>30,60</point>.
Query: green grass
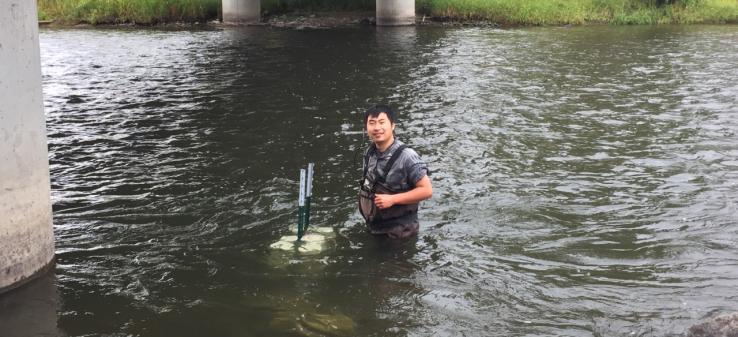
<point>560,12</point>
<point>507,12</point>
<point>128,11</point>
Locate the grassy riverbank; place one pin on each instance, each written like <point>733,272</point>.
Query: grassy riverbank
<point>557,12</point>
<point>127,11</point>
<point>508,12</point>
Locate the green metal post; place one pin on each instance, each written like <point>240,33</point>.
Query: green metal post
<point>308,194</point>
<point>301,206</point>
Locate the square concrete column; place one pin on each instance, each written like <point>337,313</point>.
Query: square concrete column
<point>26,232</point>
<point>395,12</point>
<point>241,11</point>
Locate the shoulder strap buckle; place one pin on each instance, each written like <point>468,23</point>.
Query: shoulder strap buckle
<point>391,162</point>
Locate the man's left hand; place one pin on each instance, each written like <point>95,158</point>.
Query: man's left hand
<point>384,200</point>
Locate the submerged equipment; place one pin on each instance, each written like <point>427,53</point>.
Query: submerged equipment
<point>317,239</point>
<point>303,201</point>
<point>388,217</point>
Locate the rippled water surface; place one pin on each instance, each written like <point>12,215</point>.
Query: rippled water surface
<point>585,179</point>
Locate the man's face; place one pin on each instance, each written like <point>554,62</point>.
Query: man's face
<point>379,128</point>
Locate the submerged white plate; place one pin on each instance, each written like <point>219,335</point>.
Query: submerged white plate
<point>312,242</point>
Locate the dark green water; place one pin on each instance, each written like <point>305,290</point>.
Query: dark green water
<point>585,179</point>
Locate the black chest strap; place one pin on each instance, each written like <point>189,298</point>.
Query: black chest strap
<point>395,155</point>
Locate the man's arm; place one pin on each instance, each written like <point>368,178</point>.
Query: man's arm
<point>423,190</point>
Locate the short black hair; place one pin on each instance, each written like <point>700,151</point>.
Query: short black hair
<point>375,110</point>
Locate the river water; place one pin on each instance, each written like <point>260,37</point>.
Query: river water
<point>585,179</point>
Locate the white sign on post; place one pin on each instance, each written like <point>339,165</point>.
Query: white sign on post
<point>301,200</point>
<point>310,180</point>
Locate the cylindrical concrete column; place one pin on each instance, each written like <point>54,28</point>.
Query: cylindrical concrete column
<point>26,233</point>
<point>241,11</point>
<point>395,12</point>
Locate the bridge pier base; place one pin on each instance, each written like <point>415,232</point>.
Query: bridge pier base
<point>241,11</point>
<point>395,12</point>
<point>26,231</point>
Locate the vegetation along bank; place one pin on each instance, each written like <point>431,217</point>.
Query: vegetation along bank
<point>504,12</point>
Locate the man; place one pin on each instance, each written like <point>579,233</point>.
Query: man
<point>395,179</point>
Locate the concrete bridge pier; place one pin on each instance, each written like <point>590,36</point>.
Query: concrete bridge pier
<point>241,11</point>
<point>395,12</point>
<point>26,232</point>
